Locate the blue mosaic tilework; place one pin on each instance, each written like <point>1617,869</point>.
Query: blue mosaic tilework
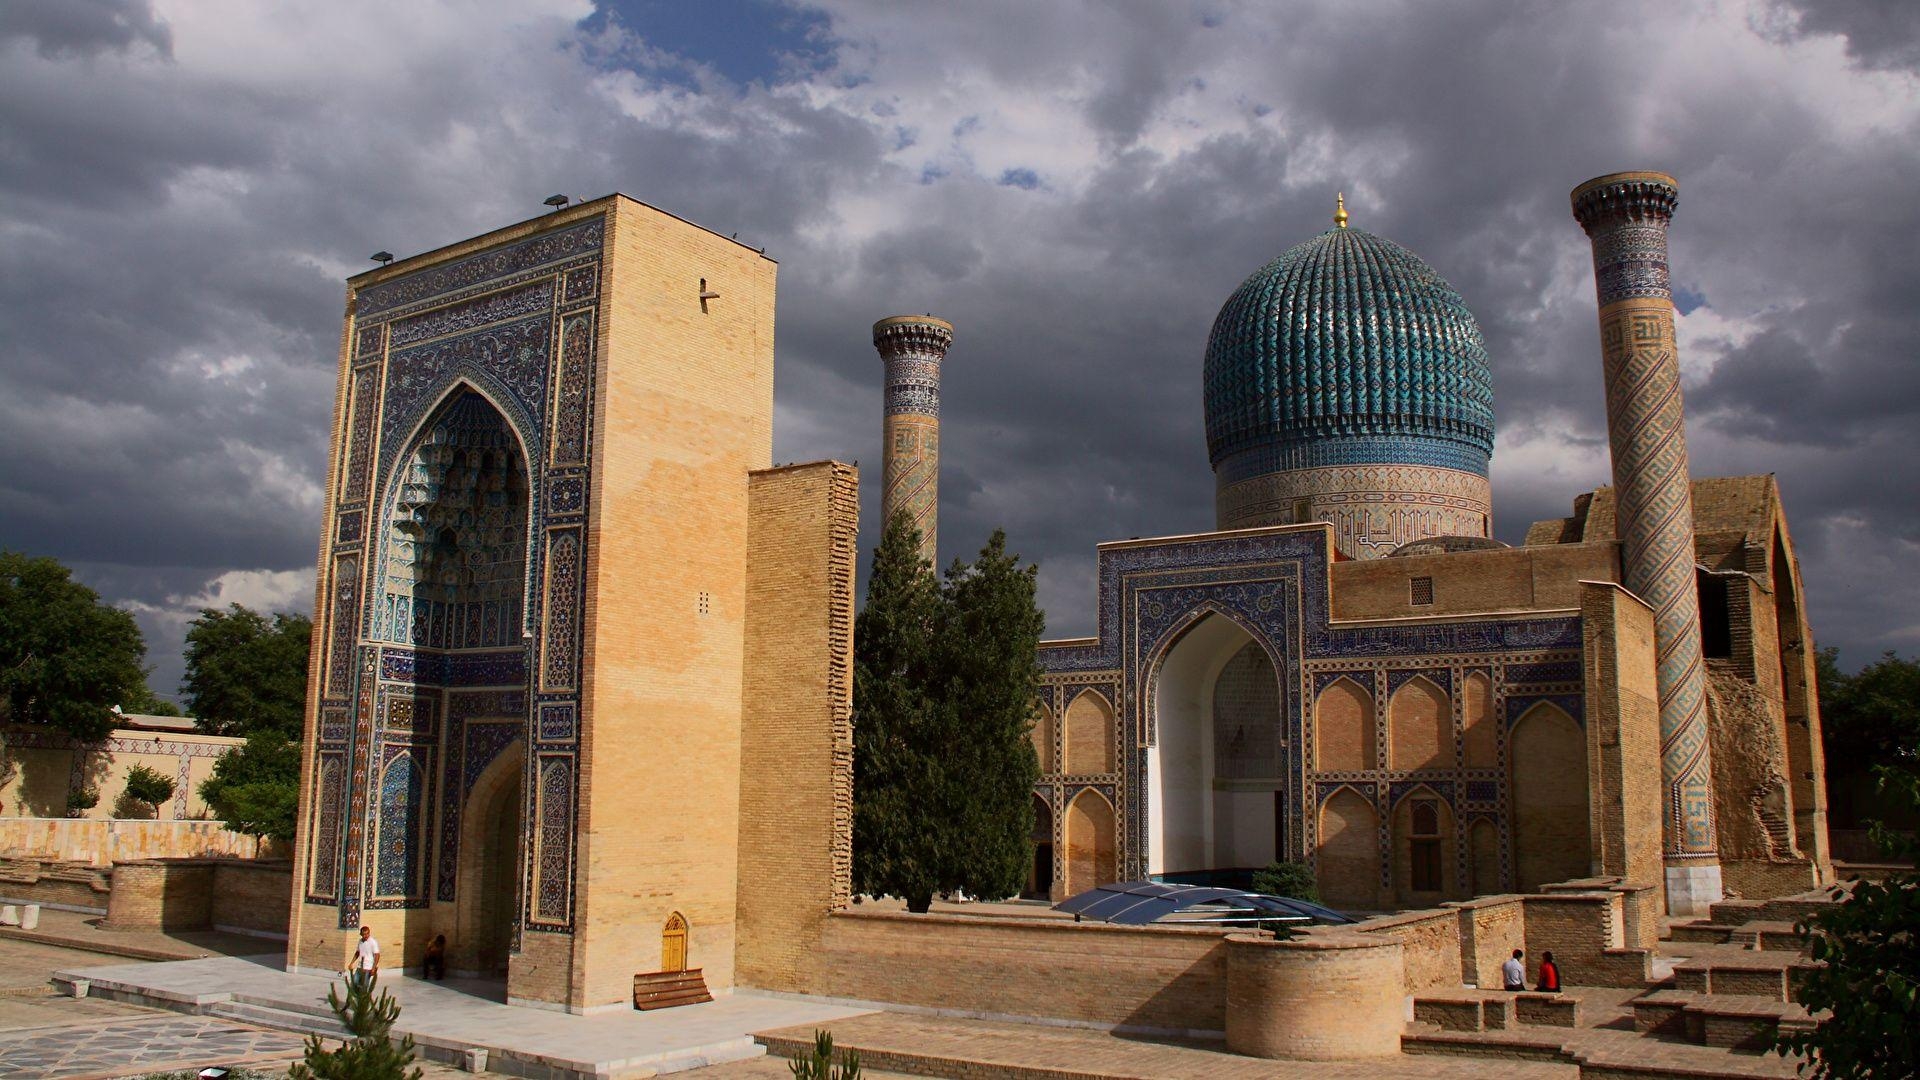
<point>1483,791</point>
<point>494,667</point>
<point>1573,704</point>
<point>1324,452</point>
<point>1554,671</point>
<point>1400,789</point>
<point>402,806</point>
<point>435,282</point>
<point>1441,677</point>
<point>1347,334</point>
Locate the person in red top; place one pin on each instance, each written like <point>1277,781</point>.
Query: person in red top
<point>1549,974</point>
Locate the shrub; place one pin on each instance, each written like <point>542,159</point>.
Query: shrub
<point>1287,879</point>
<point>81,801</point>
<point>149,787</point>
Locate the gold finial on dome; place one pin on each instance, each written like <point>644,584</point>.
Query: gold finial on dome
<point>1340,210</point>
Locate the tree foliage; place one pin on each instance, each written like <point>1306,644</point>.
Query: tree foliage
<point>149,786</point>
<point>246,672</point>
<point>1871,981</point>
<point>371,1054</point>
<point>1873,715</point>
<point>66,659</point>
<point>1287,879</point>
<point>255,789</point>
<point>945,676</point>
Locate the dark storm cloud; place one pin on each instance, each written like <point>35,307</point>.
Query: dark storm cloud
<point>181,194</point>
<point>1878,33</point>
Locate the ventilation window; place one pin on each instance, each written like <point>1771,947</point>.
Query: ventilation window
<point>706,604</point>
<point>1420,591</point>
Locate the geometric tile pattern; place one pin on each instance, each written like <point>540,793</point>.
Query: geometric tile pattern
<point>910,449</point>
<point>1626,219</point>
<point>469,396</point>
<point>1274,585</point>
<point>136,1047</point>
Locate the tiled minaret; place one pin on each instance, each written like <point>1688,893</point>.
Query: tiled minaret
<point>913,347</point>
<point>1625,216</point>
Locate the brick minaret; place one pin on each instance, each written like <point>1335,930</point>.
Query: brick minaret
<point>1625,216</point>
<point>913,347</point>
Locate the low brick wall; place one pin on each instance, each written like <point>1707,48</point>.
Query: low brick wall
<point>1160,978</point>
<point>1491,927</point>
<point>103,842</point>
<point>1430,943</point>
<point>1327,995</point>
<point>72,886</point>
<point>200,894</point>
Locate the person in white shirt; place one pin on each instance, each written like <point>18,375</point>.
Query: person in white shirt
<point>365,969</point>
<point>1513,973</point>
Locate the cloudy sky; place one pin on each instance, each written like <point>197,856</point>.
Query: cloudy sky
<point>1077,186</point>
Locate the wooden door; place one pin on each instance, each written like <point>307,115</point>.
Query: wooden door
<point>673,944</point>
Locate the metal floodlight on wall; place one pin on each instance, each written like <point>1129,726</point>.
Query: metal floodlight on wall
<point>557,201</point>
<point>382,257</point>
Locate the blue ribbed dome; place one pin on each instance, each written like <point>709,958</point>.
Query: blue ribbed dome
<point>1346,350</point>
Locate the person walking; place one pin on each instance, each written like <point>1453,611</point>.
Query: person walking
<point>1513,973</point>
<point>1549,975</point>
<point>364,972</point>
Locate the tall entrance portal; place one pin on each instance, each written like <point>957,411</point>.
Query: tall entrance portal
<point>1216,795</point>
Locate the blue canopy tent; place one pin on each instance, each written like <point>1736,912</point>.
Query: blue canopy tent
<point>1136,903</point>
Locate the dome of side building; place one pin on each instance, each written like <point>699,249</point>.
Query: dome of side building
<point>1347,382</point>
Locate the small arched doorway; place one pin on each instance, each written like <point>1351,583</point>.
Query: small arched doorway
<point>1040,876</point>
<point>489,883</point>
<point>673,944</point>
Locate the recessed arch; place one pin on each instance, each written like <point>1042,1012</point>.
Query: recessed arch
<point>1347,857</point>
<point>487,882</point>
<point>1090,734</point>
<point>1483,846</point>
<point>1042,736</point>
<point>1479,732</point>
<point>1092,848</point>
<point>1040,876</point>
<point>1547,766</point>
<point>1343,728</point>
<point>1423,847</point>
<point>1420,726</point>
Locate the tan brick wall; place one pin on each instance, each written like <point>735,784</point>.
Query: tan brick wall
<point>1491,927</point>
<point>796,720</point>
<point>1480,727</point>
<point>46,881</point>
<point>1432,947</point>
<point>1421,727</point>
<point>1343,728</point>
<point>1547,759</point>
<point>1347,864</point>
<point>161,895</point>
<point>1623,738</point>
<point>684,411</point>
<point>1472,582</point>
<point>252,896</point>
<point>1153,977</point>
<point>1089,730</point>
<point>1315,999</point>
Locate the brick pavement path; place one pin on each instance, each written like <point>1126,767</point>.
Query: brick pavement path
<point>911,1042</point>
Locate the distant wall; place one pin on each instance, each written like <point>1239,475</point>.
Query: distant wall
<point>68,885</point>
<point>201,894</point>
<point>103,842</point>
<point>40,767</point>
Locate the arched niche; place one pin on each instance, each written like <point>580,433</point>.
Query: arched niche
<point>1479,731</point>
<point>1090,734</point>
<point>1040,876</point>
<point>1423,849</point>
<point>1483,849</point>
<point>1347,861</point>
<point>1343,728</point>
<point>1042,735</point>
<point>1092,850</point>
<point>1420,726</point>
<point>1552,837</point>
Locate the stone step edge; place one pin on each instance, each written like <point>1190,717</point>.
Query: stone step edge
<point>940,1065</point>
<point>1478,1044</point>
<point>105,948</point>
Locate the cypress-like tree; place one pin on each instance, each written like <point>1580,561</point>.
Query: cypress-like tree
<point>987,656</point>
<point>944,683</point>
<point>894,840</point>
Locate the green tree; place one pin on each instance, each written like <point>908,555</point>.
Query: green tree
<point>1872,715</point>
<point>371,1054</point>
<point>247,673</point>
<point>944,683</point>
<point>1871,981</point>
<point>987,664</point>
<point>255,788</point>
<point>65,658</point>
<point>148,786</point>
<point>895,758</point>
